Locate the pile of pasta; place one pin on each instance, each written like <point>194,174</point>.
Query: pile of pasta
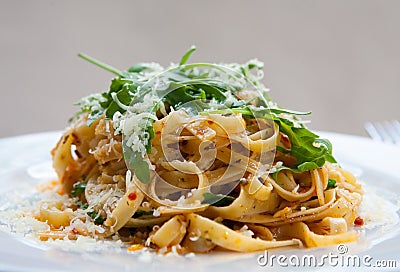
<point>220,154</point>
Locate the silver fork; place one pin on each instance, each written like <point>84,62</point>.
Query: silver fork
<point>386,131</point>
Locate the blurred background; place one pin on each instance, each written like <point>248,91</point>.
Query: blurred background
<point>340,59</point>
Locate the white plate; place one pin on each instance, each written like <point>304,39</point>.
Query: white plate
<point>26,160</point>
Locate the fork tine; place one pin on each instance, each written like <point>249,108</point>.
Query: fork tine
<point>383,132</point>
<point>387,131</point>
<point>396,124</point>
<point>373,132</point>
<point>393,129</point>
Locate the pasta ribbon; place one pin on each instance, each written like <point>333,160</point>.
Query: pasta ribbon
<point>230,239</point>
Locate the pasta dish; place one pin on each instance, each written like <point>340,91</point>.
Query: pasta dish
<point>195,157</point>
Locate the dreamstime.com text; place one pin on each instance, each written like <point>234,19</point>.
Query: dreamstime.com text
<point>339,259</point>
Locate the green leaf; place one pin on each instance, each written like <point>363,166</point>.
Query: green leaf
<point>138,67</point>
<point>93,116</point>
<point>150,130</point>
<point>78,189</point>
<point>81,205</point>
<point>137,164</point>
<point>211,91</point>
<point>100,64</point>
<point>112,109</point>
<point>331,184</point>
<point>279,111</point>
<point>117,84</point>
<point>181,94</point>
<point>96,217</point>
<point>310,151</point>
<point>142,171</point>
<point>140,213</point>
<point>217,200</point>
<point>186,56</point>
<point>307,166</point>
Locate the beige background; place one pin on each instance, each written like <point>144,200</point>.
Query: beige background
<point>339,59</point>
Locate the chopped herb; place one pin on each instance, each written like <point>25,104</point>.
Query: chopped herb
<point>140,213</point>
<point>96,217</point>
<point>81,205</point>
<point>331,184</point>
<point>78,189</point>
<point>217,200</point>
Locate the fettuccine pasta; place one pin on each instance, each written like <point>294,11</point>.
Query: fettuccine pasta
<point>162,172</point>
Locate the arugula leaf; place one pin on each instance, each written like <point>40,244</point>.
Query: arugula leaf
<point>331,184</point>
<point>307,166</point>
<point>96,217</point>
<point>310,151</point>
<point>217,200</point>
<point>140,213</point>
<point>93,116</point>
<point>137,164</point>
<point>187,55</point>
<point>142,170</point>
<point>292,112</point>
<point>181,94</point>
<point>100,64</point>
<point>139,67</point>
<point>211,91</point>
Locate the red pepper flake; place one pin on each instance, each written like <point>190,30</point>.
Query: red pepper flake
<point>210,122</point>
<point>74,231</point>
<point>132,196</point>
<point>359,221</point>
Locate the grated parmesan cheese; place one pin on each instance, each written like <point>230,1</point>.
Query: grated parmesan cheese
<point>156,213</point>
<point>246,232</point>
<point>377,210</point>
